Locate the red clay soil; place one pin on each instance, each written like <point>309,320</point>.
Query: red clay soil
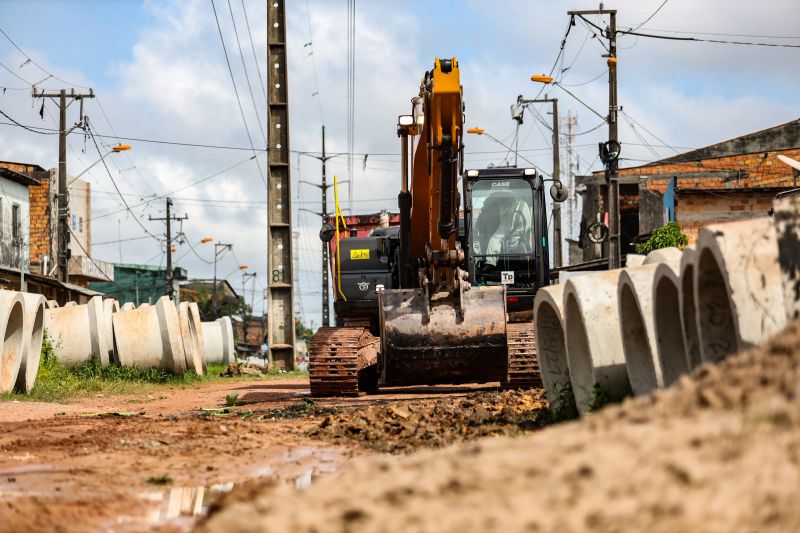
<point>78,467</point>
<point>719,452</point>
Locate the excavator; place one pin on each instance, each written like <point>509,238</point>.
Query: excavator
<point>427,302</point>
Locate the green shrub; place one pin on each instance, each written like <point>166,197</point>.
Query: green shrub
<point>670,234</point>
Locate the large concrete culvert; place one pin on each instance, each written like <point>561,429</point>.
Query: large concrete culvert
<point>635,294</point>
<point>550,343</point>
<point>738,291</point>
<point>75,331</point>
<point>691,340</point>
<point>667,321</point>
<point>194,313</point>
<point>190,337</point>
<point>213,344</point>
<point>12,315</point>
<point>594,347</point>
<point>32,338</point>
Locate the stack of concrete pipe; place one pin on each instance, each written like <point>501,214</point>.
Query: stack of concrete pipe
<point>640,328</point>
<point>164,335</point>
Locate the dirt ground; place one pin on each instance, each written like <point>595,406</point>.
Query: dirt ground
<point>158,460</point>
<point>720,452</point>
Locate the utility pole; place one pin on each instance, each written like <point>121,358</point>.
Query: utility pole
<point>252,276</point>
<point>518,113</point>
<point>610,150</point>
<point>217,247</point>
<point>326,320</point>
<point>63,190</point>
<point>169,218</point>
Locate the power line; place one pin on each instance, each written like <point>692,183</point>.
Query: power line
<point>102,160</point>
<point>192,184</point>
<point>253,48</point>
<point>651,15</point>
<point>749,35</point>
<point>247,76</point>
<point>236,92</point>
<point>87,255</point>
<point>314,65</point>
<point>31,60</point>
<point>699,39</point>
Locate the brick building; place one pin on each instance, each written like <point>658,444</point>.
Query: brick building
<point>733,179</point>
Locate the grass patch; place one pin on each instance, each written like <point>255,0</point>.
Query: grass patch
<point>163,479</point>
<point>57,383</point>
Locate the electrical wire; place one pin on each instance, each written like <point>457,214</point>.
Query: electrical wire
<point>88,256</point>
<point>701,40</point>
<point>314,65</point>
<point>652,15</point>
<point>31,60</point>
<point>113,182</point>
<point>247,76</point>
<point>253,48</point>
<point>236,92</point>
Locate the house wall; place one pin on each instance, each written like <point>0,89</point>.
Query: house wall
<point>43,223</point>
<point>13,194</point>
<point>80,213</point>
<point>707,191</point>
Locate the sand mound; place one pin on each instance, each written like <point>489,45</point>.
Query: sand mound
<point>718,452</point>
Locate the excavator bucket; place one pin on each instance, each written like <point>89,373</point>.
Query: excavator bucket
<point>436,342</point>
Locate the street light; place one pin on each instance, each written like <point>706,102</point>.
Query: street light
<point>205,240</point>
<point>114,150</point>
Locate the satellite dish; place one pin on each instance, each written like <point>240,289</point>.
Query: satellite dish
<point>326,232</point>
<point>558,192</point>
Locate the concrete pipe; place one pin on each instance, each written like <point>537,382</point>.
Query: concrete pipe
<point>548,313</point>
<point>32,338</point>
<point>144,305</point>
<point>127,306</point>
<point>70,304</point>
<point>51,304</point>
<point>634,260</point>
<point>229,354</point>
<point>150,337</point>
<point>190,338</point>
<point>669,255</point>
<point>691,340</point>
<point>594,348</point>
<point>137,339</point>
<point>671,349</point>
<point>787,227</point>
<point>635,296</point>
<point>169,321</point>
<point>213,347</point>
<point>12,318</point>
<point>110,306</point>
<point>74,331</point>
<point>194,313</point>
<point>738,291</point>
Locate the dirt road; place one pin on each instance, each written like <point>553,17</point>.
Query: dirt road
<point>157,460</point>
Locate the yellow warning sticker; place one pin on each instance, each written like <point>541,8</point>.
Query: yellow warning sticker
<point>359,254</point>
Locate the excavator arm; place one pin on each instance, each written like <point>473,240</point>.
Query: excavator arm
<point>437,328</point>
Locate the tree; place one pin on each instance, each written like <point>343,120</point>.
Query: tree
<point>301,331</point>
<point>670,234</point>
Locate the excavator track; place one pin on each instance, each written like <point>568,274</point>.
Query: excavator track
<point>337,360</point>
<point>523,361</point>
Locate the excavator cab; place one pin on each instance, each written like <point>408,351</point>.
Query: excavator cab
<point>506,232</point>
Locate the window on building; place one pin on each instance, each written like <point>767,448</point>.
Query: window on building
<point>80,224</point>
<point>74,222</point>
<point>15,227</point>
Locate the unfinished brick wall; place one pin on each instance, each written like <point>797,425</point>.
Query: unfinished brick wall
<point>41,221</point>
<point>726,194</point>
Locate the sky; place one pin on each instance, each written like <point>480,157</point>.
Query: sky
<point>160,73</point>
